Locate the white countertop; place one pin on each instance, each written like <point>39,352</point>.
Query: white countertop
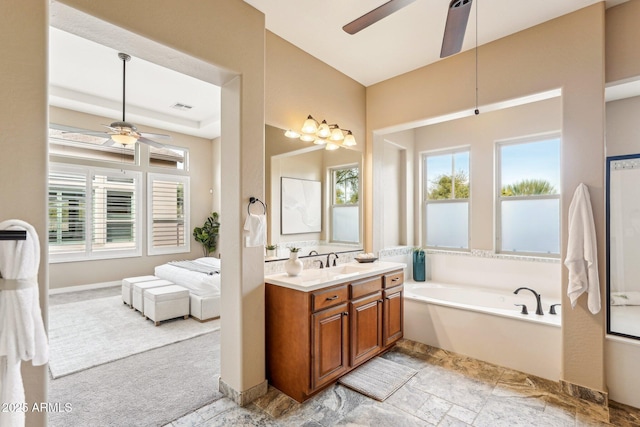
<point>318,278</point>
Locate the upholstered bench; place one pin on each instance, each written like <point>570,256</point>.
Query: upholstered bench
<point>167,302</point>
<point>127,287</point>
<point>140,288</point>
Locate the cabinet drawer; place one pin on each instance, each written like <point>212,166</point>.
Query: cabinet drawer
<point>393,279</point>
<point>365,287</point>
<point>329,297</point>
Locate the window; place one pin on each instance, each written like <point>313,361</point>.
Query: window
<point>93,213</point>
<point>345,204</point>
<point>168,213</point>
<point>169,157</point>
<point>528,196</point>
<point>446,199</point>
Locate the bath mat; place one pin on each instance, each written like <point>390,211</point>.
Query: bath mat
<point>88,333</point>
<point>378,378</point>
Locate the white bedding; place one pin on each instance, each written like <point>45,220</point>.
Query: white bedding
<point>198,283</point>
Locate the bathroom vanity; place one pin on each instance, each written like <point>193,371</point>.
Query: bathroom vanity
<point>325,322</point>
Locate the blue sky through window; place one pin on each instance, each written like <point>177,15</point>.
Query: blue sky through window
<point>535,160</point>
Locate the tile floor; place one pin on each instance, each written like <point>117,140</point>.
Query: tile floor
<point>449,390</point>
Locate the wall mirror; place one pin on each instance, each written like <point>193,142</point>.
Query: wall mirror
<point>339,173</point>
<point>623,245</point>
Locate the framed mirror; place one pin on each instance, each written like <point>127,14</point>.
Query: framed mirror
<point>623,245</point>
<point>339,176</point>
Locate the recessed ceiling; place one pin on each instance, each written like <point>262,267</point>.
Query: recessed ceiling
<point>86,76</point>
<point>406,40</point>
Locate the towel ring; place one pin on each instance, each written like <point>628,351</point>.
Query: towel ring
<point>252,200</point>
<point>13,235</point>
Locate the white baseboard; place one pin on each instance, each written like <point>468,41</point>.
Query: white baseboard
<point>89,287</point>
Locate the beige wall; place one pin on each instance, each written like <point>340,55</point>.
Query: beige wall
<point>201,173</point>
<point>622,36</point>
<point>566,53</point>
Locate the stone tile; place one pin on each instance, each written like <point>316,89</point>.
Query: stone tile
<point>510,412</point>
<point>408,398</point>
<point>465,415</point>
<point>434,410</point>
<point>449,421</point>
<point>377,414</point>
<point>216,408</point>
<point>414,360</point>
<point>249,416</point>
<point>275,403</point>
<point>623,415</point>
<point>560,407</point>
<point>453,386</point>
<point>589,414</point>
<point>516,378</point>
<point>194,419</point>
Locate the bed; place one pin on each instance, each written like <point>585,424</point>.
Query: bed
<point>202,278</point>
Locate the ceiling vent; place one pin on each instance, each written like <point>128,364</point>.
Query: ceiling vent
<point>182,107</point>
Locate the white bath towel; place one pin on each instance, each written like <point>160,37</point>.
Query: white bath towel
<point>256,225</point>
<point>22,334</point>
<point>582,255</point>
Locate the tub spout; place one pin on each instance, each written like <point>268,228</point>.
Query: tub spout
<point>538,302</point>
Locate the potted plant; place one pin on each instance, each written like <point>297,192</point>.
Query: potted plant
<point>207,235</point>
<point>271,250</point>
<point>293,266</point>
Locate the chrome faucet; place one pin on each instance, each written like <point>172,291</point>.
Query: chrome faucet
<point>334,260</point>
<point>537,295</point>
<point>320,261</point>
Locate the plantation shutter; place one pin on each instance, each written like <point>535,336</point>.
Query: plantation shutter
<point>114,213</point>
<point>168,205</point>
<point>67,205</point>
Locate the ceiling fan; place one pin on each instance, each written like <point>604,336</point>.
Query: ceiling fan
<point>457,18</point>
<point>124,132</point>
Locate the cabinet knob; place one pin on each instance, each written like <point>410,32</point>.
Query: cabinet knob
<point>380,300</point>
<point>395,279</point>
<point>332,298</point>
<point>345,313</point>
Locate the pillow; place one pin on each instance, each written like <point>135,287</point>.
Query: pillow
<point>210,261</point>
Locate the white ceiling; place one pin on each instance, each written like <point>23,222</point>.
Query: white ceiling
<point>408,39</point>
<point>86,76</point>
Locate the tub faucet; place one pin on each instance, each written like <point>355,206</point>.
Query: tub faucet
<point>537,295</point>
<point>312,252</point>
<point>334,260</point>
<point>320,261</point>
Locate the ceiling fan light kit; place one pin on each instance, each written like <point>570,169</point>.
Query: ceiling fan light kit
<point>322,133</point>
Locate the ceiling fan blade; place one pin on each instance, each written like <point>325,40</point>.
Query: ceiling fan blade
<point>150,142</point>
<point>454,30</point>
<point>109,142</point>
<point>102,134</point>
<point>155,135</point>
<point>110,128</point>
<point>375,15</point>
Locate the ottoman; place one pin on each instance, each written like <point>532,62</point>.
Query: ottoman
<point>167,302</point>
<point>127,287</point>
<point>139,288</point>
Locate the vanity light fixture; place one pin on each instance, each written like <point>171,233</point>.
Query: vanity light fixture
<point>322,133</point>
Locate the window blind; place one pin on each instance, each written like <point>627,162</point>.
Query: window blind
<point>67,212</point>
<point>168,213</point>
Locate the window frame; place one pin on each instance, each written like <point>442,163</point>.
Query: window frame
<point>89,254</point>
<point>426,201</point>
<point>499,198</point>
<point>186,182</point>
<point>332,205</point>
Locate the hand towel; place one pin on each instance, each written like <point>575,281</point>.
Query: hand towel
<point>256,225</point>
<point>582,255</point>
<point>22,334</point>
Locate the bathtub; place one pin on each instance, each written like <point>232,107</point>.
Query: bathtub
<point>485,324</point>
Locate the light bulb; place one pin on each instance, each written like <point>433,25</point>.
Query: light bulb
<point>124,139</point>
<point>319,141</point>
<point>310,125</point>
<point>323,130</point>
<point>332,146</point>
<point>308,137</point>
<point>291,134</point>
<point>336,134</point>
<point>349,140</point>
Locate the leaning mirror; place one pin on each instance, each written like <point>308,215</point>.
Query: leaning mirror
<point>336,174</point>
<point>623,245</point>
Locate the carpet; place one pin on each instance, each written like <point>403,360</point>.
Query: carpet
<point>378,378</point>
<point>90,333</point>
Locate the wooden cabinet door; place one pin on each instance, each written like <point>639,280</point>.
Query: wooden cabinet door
<point>366,328</point>
<point>393,315</point>
<point>330,352</point>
